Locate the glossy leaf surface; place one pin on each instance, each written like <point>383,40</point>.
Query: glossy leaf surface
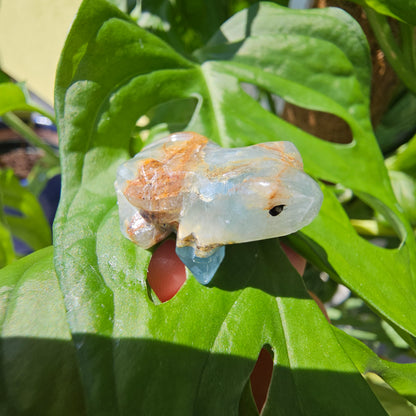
<point>24,215</point>
<point>6,242</point>
<point>207,339</point>
<point>404,10</point>
<point>39,374</point>
<point>12,98</point>
<point>132,367</point>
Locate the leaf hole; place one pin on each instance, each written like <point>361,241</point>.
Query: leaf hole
<point>374,222</point>
<point>323,125</point>
<point>261,376</point>
<point>162,120</point>
<point>270,102</point>
<point>12,212</point>
<point>319,283</point>
<point>166,273</point>
<point>21,247</point>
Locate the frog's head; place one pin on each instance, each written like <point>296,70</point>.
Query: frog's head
<point>285,202</point>
<point>270,196</point>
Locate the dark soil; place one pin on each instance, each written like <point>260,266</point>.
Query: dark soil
<point>16,154</point>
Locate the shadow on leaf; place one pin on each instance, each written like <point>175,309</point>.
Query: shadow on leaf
<point>146,377</point>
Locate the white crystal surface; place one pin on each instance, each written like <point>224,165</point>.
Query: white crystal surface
<point>211,196</point>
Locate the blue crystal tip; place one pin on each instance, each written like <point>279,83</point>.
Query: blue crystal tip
<point>203,268</point>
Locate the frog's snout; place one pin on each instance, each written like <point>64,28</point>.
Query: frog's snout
<point>305,197</point>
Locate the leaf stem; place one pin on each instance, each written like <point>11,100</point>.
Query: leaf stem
<point>45,113</point>
<point>16,124</point>
<point>270,102</point>
<point>408,44</point>
<point>372,228</point>
<point>394,55</point>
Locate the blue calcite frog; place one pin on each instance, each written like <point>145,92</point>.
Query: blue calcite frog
<point>211,196</point>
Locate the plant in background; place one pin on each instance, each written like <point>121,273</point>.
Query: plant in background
<point>79,317</point>
<point>21,215</point>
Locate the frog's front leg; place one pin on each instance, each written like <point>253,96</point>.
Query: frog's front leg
<point>201,258</point>
<point>203,261</point>
<point>203,268</point>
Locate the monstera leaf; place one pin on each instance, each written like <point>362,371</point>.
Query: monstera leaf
<point>399,9</point>
<point>23,214</point>
<point>122,353</point>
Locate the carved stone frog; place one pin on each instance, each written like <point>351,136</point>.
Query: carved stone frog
<point>212,197</point>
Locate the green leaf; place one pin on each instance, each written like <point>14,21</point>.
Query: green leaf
<point>24,218</point>
<point>15,97</point>
<point>12,98</point>
<point>318,59</point>
<point>125,6</point>
<point>394,403</point>
<point>404,10</point>
<point>187,24</point>
<point>174,115</point>
<point>6,244</point>
<point>183,363</point>
<point>402,57</point>
<point>355,318</point>
<point>195,353</point>
<point>397,123</point>
<point>295,74</point>
<point>401,377</point>
<point>42,172</point>
<point>405,158</point>
<point>358,264</point>
<point>4,77</point>
<point>38,372</point>
<point>404,187</point>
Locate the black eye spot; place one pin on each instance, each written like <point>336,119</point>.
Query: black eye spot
<point>276,210</point>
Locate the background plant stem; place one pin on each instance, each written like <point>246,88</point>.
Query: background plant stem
<point>16,124</point>
<point>394,55</point>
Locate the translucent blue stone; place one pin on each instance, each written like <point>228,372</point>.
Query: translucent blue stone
<point>211,197</point>
<point>203,268</point>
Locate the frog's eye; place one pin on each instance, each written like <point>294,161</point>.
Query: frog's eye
<point>276,210</point>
